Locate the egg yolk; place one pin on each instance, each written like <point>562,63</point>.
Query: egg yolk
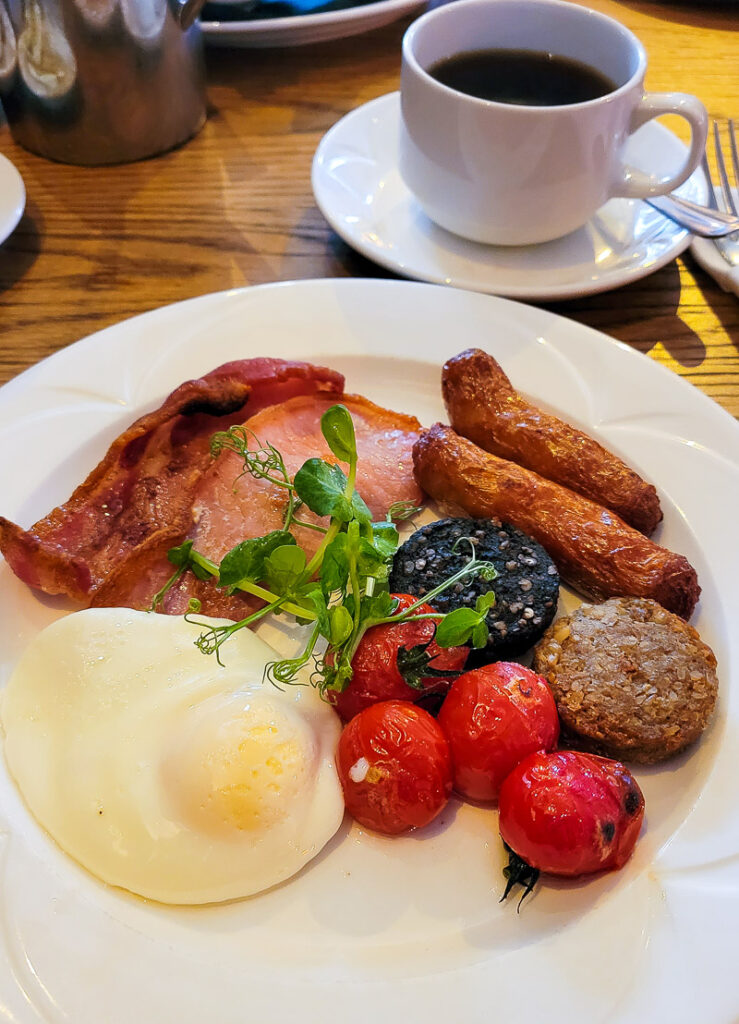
<point>240,768</point>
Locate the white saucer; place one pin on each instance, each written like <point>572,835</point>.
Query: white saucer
<point>12,197</point>
<point>359,190</point>
<point>302,29</point>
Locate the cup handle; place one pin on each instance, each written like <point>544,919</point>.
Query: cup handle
<point>636,184</point>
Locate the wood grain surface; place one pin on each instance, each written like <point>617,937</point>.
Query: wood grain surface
<point>234,206</point>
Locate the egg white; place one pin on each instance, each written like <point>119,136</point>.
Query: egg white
<point>161,771</point>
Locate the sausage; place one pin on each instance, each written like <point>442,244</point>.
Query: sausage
<point>484,406</point>
<point>595,551</point>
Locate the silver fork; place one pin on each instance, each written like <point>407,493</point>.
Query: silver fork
<point>729,245</point>
<point>710,221</point>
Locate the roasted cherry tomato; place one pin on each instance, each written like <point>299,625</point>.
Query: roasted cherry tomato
<point>494,717</point>
<point>570,814</point>
<point>376,675</point>
<point>395,767</point>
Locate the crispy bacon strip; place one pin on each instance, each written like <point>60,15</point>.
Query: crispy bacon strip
<point>484,406</point>
<point>595,551</point>
<point>147,479</point>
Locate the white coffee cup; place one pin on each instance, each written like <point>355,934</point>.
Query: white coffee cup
<point>507,174</point>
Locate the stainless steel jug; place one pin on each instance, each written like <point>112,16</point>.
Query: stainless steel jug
<point>101,81</point>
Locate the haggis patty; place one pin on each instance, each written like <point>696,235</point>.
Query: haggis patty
<point>631,680</point>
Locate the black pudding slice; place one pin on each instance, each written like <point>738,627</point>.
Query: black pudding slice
<point>526,587</point>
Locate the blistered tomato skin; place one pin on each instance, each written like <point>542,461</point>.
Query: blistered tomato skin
<point>375,667</point>
<point>395,767</point>
<point>494,717</point>
<point>571,814</point>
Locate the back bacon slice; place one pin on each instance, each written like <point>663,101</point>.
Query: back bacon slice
<point>229,506</point>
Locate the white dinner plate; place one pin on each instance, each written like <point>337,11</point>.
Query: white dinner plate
<point>361,194</point>
<point>299,30</point>
<point>12,197</point>
<point>378,929</point>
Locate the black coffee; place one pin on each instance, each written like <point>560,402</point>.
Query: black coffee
<point>525,77</point>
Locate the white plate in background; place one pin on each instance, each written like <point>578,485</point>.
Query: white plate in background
<point>302,29</point>
<point>378,929</point>
<point>12,197</point>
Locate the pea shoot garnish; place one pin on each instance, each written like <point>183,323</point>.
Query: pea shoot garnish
<point>341,591</point>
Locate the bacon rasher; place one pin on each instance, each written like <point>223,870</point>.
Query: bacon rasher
<point>158,485</point>
<point>140,495</point>
<point>228,507</point>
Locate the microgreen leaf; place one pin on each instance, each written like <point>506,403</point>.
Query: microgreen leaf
<point>181,556</point>
<point>322,488</point>
<point>336,676</point>
<point>480,634</point>
<point>283,568</point>
<point>338,429</point>
<point>318,601</point>
<point>385,538</point>
<point>341,624</point>
<point>369,559</point>
<point>456,627</point>
<point>466,624</point>
<point>334,571</point>
<point>379,606</point>
<point>360,509</point>
<point>246,560</point>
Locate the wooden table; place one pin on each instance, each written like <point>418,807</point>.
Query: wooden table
<point>235,207</point>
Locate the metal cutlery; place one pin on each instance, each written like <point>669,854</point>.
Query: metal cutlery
<point>718,220</point>
<point>720,256</point>
<point>708,222</point>
<point>728,246</point>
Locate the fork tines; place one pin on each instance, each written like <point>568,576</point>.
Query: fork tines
<point>721,164</point>
<point>729,204</point>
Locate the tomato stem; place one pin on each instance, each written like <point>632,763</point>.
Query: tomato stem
<point>518,872</point>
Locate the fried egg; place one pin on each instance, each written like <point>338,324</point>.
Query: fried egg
<point>161,771</point>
